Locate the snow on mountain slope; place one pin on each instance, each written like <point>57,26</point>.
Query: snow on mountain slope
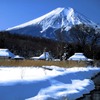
<point>46,25</point>
<point>40,19</point>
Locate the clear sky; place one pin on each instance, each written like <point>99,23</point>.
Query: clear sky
<point>15,12</point>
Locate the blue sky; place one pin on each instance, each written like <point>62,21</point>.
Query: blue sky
<point>15,12</point>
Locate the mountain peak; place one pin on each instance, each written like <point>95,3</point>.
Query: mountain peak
<point>53,13</point>
<point>38,20</point>
<point>45,25</point>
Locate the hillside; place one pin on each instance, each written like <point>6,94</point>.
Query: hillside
<point>87,41</point>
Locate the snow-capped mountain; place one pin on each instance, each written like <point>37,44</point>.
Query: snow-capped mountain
<point>46,25</point>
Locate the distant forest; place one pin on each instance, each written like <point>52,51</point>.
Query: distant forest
<point>29,46</point>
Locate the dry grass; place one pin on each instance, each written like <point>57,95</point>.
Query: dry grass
<point>41,63</point>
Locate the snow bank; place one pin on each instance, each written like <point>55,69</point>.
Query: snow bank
<point>48,82</point>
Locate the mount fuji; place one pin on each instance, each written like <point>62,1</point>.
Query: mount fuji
<point>46,25</point>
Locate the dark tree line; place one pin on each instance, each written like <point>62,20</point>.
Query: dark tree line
<point>28,46</point>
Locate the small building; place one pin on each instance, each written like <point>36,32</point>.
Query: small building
<point>17,57</point>
<point>78,57</point>
<point>44,56</point>
<point>5,54</point>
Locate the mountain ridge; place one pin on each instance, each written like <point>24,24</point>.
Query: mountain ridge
<point>46,25</point>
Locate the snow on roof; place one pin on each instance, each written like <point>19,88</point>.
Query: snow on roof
<point>18,57</point>
<point>6,53</point>
<point>78,56</point>
<point>56,84</point>
<point>45,55</point>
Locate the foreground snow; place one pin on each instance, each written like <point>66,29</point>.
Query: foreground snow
<point>48,82</point>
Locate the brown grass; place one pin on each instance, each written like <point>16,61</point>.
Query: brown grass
<point>41,63</point>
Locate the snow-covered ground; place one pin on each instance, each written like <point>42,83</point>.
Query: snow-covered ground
<point>46,83</point>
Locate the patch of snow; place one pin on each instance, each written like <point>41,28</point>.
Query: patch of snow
<point>35,83</point>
